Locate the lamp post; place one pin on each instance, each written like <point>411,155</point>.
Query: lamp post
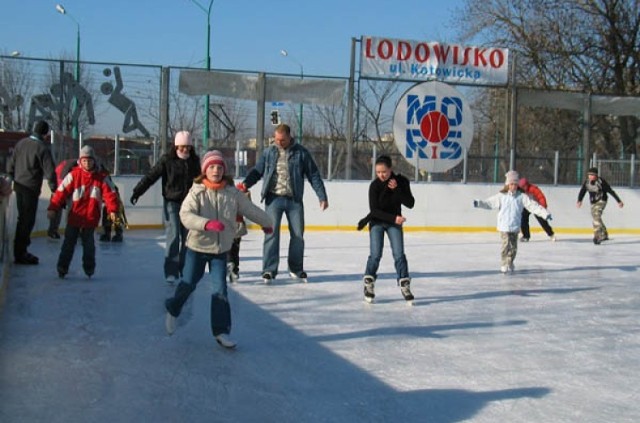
<point>63,11</point>
<point>205,131</point>
<point>285,53</point>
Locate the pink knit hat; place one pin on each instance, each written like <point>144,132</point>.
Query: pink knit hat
<point>210,158</point>
<point>183,138</point>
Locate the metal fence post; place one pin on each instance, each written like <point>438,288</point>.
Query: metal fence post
<point>556,167</point>
<point>465,158</point>
<point>374,153</point>
<point>330,161</point>
<point>632,171</point>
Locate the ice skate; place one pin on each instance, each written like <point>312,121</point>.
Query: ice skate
<point>504,269</point>
<point>267,278</point>
<point>170,279</point>
<point>233,276</point>
<point>62,272</point>
<point>117,238</point>
<point>224,340</point>
<point>302,276</point>
<point>170,324</point>
<point>406,290</point>
<point>369,285</point>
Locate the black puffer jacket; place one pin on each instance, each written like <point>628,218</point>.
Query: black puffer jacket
<point>386,203</point>
<point>177,176</point>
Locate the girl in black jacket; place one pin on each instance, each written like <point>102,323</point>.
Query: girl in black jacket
<point>387,194</point>
<point>177,168</point>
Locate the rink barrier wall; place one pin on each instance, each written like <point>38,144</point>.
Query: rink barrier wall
<point>439,207</point>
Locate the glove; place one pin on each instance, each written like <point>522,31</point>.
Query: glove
<point>241,187</point>
<point>214,226</point>
<point>267,231</point>
<point>134,199</point>
<point>476,203</point>
<point>549,218</point>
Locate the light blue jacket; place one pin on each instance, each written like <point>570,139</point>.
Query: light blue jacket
<point>510,206</point>
<point>301,166</point>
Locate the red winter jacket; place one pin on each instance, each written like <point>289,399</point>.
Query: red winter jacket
<point>87,190</point>
<point>536,193</point>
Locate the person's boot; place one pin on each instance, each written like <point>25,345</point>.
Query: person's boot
<point>106,236</point>
<point>369,288</point>
<point>405,289</point>
<point>117,237</point>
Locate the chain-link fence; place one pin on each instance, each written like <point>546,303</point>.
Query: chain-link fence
<point>129,113</point>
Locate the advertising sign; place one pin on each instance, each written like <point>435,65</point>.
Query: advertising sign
<point>433,61</point>
<point>433,125</point>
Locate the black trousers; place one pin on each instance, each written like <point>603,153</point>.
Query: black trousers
<point>27,204</point>
<point>524,224</point>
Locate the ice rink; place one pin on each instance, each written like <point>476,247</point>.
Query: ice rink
<point>557,341</point>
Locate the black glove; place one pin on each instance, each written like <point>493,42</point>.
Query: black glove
<point>134,199</point>
<point>549,218</point>
<point>475,203</point>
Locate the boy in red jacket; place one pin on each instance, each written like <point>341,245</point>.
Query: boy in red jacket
<point>535,194</point>
<point>86,185</point>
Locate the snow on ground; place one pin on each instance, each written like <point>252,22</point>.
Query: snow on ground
<point>557,341</point>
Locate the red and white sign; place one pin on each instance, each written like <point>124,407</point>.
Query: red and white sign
<point>427,61</point>
<point>432,126</point>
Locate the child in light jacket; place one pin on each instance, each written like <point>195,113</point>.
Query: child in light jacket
<point>510,202</point>
<point>209,213</point>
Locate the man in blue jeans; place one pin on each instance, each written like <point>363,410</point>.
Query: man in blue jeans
<point>283,167</point>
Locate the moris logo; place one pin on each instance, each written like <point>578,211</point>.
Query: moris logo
<point>433,125</point>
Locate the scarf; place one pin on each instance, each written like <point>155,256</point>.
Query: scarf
<point>214,185</point>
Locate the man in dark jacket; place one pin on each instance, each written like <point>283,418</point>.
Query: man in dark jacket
<point>177,168</point>
<point>283,168</point>
<point>30,163</point>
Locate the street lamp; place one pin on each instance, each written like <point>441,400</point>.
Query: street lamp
<point>205,132</point>
<point>286,54</point>
<point>63,11</point>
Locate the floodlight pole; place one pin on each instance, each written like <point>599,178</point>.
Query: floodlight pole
<point>286,54</point>
<point>205,131</point>
<point>63,11</point>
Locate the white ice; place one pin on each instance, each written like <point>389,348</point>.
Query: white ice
<point>557,341</point>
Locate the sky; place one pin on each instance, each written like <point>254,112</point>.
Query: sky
<point>245,35</point>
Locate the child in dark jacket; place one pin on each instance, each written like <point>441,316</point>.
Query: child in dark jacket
<point>387,194</point>
<point>87,186</point>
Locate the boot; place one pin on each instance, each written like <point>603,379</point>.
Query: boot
<point>106,236</point>
<point>405,289</point>
<point>175,303</point>
<point>220,316</point>
<point>369,285</point>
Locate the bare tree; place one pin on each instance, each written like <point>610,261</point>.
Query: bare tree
<point>16,82</point>
<point>588,45</point>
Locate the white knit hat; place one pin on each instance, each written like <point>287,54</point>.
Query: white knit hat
<point>183,138</point>
<point>511,177</point>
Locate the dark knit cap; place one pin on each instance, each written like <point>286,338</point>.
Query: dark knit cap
<point>40,128</point>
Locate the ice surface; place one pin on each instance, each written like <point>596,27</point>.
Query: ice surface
<point>557,341</point>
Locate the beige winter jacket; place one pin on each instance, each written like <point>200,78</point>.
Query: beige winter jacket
<point>202,205</point>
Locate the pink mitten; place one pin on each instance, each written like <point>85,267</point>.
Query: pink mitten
<point>214,226</point>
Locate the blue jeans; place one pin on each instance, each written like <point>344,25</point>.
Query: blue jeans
<point>71,234</point>
<point>193,271</point>
<point>294,211</point>
<point>176,236</point>
<point>376,243</point>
